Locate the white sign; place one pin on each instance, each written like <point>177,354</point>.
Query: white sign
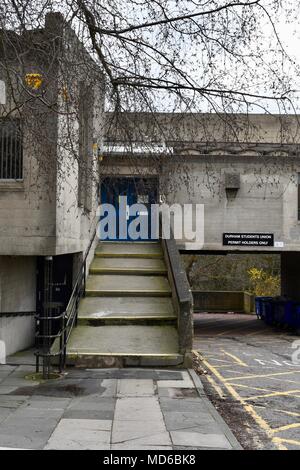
<point>279,244</point>
<point>2,92</point>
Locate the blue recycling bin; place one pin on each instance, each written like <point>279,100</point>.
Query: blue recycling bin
<point>290,313</point>
<point>279,312</point>
<point>260,306</point>
<point>267,310</point>
<point>294,319</point>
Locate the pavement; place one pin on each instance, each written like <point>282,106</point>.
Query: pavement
<point>109,409</point>
<point>253,378</point>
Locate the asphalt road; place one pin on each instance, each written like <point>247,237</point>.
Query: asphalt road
<point>252,378</point>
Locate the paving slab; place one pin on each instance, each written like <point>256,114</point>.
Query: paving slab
<point>12,401</point>
<point>154,374</point>
<point>22,371</point>
<point>110,387</point>
<point>93,404</point>
<point>135,445</point>
<point>27,441</point>
<point>50,402</point>
<point>4,374</point>
<point>7,368</point>
<point>31,433</point>
<point>181,438</point>
<point>139,421</point>
<point>4,413</point>
<point>138,409</point>
<point>176,421</point>
<point>7,389</point>
<point>174,392</point>
<point>185,383</point>
<point>135,388</point>
<point>29,411</point>
<point>183,405</point>
<point>86,434</point>
<point>89,414</point>
<point>25,358</point>
<point>141,432</point>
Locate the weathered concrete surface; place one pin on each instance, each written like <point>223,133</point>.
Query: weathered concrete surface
<point>110,409</point>
<point>120,307</point>
<point>112,284</point>
<point>122,339</point>
<point>126,319</point>
<point>17,294</point>
<point>123,250</point>
<point>204,127</point>
<point>127,265</point>
<point>40,213</point>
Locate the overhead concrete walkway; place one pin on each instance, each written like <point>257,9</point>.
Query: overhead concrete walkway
<point>127,316</point>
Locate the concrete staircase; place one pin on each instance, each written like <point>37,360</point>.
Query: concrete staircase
<point>127,316</point>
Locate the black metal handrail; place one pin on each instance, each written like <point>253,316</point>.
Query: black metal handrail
<point>67,320</point>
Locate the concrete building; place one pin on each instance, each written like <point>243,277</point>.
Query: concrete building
<point>55,154</point>
<point>51,113</point>
<point>244,169</point>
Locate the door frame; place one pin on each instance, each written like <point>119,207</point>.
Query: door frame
<point>113,176</point>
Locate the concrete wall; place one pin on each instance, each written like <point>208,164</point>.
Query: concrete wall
<point>185,128</point>
<point>17,294</point>
<point>17,333</point>
<point>223,301</point>
<point>17,283</point>
<point>267,200</point>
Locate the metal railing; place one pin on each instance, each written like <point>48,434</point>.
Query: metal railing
<point>51,345</point>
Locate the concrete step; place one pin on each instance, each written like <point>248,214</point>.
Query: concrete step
<point>128,266</point>
<point>129,250</point>
<point>120,285</point>
<point>119,346</point>
<point>125,310</point>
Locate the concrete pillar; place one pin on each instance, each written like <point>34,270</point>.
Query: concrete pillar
<point>290,275</point>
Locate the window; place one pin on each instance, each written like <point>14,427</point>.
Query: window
<point>11,151</point>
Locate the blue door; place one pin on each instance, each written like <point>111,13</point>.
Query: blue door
<point>136,190</point>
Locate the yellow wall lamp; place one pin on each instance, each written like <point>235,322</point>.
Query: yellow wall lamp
<point>34,80</point>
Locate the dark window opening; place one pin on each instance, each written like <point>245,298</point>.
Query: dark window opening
<point>85,146</point>
<point>298,196</point>
<point>11,150</point>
